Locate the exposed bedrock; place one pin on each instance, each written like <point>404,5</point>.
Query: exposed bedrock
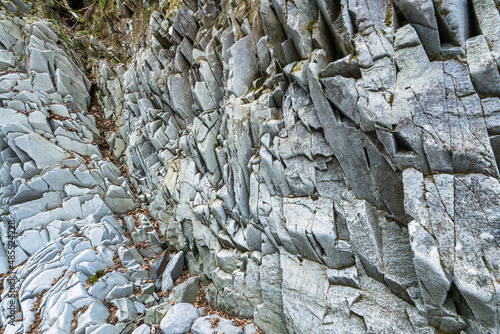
<point>326,166</point>
<point>339,162</point>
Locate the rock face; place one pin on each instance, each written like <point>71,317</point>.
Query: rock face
<point>325,166</point>
<point>59,198</point>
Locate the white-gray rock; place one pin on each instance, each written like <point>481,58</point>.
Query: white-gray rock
<point>178,319</point>
<point>142,329</point>
<point>204,325</point>
<point>172,271</point>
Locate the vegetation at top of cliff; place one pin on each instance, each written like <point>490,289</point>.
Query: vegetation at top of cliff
<point>170,6</point>
<point>100,28</point>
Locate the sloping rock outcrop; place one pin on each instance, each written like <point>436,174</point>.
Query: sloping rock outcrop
<point>60,197</point>
<point>325,166</point>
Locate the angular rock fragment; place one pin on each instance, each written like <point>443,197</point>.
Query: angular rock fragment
<point>172,271</point>
<point>179,318</point>
<point>483,68</point>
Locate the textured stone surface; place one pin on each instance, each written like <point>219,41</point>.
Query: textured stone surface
<point>322,166</point>
<point>60,195</point>
<point>322,162</point>
<point>214,324</point>
<point>186,292</point>
<point>179,318</point>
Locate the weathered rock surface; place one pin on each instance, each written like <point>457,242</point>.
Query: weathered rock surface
<point>214,324</point>
<point>74,270</point>
<point>179,319</point>
<point>325,166</point>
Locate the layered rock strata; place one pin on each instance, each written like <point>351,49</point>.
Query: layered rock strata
<point>326,166</point>
<point>60,198</point>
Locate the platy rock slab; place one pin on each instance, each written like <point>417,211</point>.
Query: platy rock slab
<point>178,319</point>
<point>172,271</point>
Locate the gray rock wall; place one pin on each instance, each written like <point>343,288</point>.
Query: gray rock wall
<point>326,166</point>
<point>329,166</point>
